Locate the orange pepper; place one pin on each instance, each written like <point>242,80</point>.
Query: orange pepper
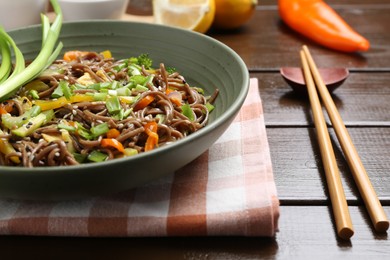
<point>151,130</point>
<point>111,142</point>
<point>174,100</point>
<point>113,133</point>
<point>6,107</point>
<point>144,102</point>
<point>73,55</point>
<point>319,22</point>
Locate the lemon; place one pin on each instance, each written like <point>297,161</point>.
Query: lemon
<point>231,14</point>
<point>196,15</point>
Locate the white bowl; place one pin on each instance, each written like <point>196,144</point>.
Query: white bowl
<point>20,13</point>
<point>74,10</point>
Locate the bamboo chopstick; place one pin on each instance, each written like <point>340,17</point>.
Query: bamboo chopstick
<point>339,203</point>
<point>372,203</point>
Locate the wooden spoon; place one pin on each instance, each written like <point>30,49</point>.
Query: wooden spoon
<point>332,77</point>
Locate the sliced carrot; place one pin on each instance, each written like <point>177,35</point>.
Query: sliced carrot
<point>151,131</point>
<point>6,107</point>
<point>113,133</point>
<point>111,142</point>
<point>144,102</point>
<point>73,55</point>
<point>175,97</point>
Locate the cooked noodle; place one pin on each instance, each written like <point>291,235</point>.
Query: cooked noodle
<point>162,101</point>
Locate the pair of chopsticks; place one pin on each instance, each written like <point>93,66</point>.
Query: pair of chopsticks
<point>339,204</point>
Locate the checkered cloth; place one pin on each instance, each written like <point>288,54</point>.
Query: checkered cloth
<point>227,191</point>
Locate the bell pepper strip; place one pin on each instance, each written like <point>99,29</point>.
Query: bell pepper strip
<point>106,54</point>
<point>68,140</point>
<point>6,148</point>
<point>51,137</point>
<point>73,55</point>
<point>319,22</point>
<point>144,102</point>
<point>152,140</point>
<point>62,101</point>
<point>113,133</point>
<point>111,142</point>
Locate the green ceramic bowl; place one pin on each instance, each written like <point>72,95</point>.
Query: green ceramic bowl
<point>202,60</point>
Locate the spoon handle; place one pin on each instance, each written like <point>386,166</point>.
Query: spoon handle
<point>372,203</point>
<point>339,203</point>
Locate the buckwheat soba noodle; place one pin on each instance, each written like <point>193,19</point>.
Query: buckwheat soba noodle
<point>89,107</point>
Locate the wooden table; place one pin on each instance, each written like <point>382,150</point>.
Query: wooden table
<point>306,224</point>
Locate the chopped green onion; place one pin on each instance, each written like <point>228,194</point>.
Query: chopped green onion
<point>34,94</point>
<point>100,86</point>
<point>187,111</point>
<point>161,118</point>
<point>65,89</point>
<point>130,152</point>
<point>100,129</point>
<point>66,127</point>
<point>113,105</point>
<point>134,70</point>
<point>37,85</point>
<point>99,96</point>
<point>83,132</point>
<point>137,80</point>
<point>141,88</point>
<point>209,107</point>
<point>199,90</point>
<point>96,156</point>
<point>120,67</point>
<point>127,112</point>
<point>80,158</point>
<point>57,93</point>
<point>114,84</point>
<point>123,91</point>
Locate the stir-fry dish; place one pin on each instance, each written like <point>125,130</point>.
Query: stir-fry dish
<point>89,107</point>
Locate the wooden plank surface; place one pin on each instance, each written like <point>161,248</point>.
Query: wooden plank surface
<point>275,44</point>
<point>362,100</point>
<point>298,170</point>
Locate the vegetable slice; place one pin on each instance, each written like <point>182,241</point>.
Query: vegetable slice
<point>144,102</point>
<point>111,142</point>
<point>113,133</point>
<point>151,130</point>
<point>6,148</point>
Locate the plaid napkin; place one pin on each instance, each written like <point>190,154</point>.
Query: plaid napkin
<point>227,191</point>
